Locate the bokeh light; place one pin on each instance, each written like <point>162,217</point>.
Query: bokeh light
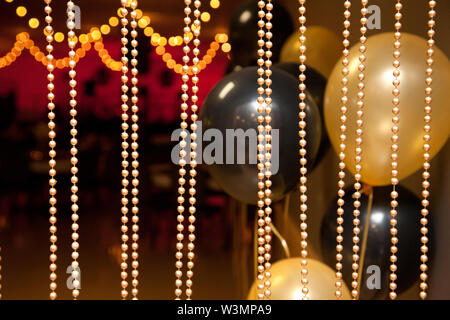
<point>59,37</point>
<point>205,16</point>
<point>33,23</point>
<point>226,47</point>
<point>21,11</point>
<point>105,29</point>
<point>113,21</point>
<point>214,4</point>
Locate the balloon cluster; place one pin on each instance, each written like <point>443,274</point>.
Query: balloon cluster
<point>378,105</point>
<point>232,105</point>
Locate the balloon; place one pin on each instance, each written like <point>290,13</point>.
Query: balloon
<point>232,104</point>
<point>376,147</point>
<point>378,239</point>
<point>286,281</point>
<point>243,34</point>
<point>323,49</point>
<point>315,83</point>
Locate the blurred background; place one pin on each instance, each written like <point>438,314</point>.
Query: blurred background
<point>224,266</point>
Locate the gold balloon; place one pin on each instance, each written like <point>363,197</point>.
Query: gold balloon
<point>322,49</point>
<point>376,147</point>
<point>286,281</point>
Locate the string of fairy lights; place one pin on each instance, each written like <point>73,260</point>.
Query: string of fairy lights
<point>94,39</point>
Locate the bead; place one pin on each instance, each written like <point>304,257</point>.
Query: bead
<point>423,286</point>
<point>134,146</point>
<point>52,154</point>
<point>342,138</point>
<point>302,143</point>
<point>193,135</point>
<point>394,147</point>
<point>264,150</point>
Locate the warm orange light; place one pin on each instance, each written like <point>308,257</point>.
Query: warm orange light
<point>155,39</point>
<point>59,64</point>
<point>81,53</point>
<point>19,45</point>
<point>96,35</point>
<point>142,23</point>
<point>34,50</point>
<point>98,46</point>
<point>221,37</point>
<point>147,18</point>
<point>74,39</point>
<point>205,16</point>
<point>167,57</point>
<point>214,4</point>
<point>16,51</point>
<point>139,13</point>
<point>148,31</point>
<point>86,46</point>
<point>29,43</point>
<point>21,11</point>
<point>39,56</point>
<point>162,41</point>
<point>211,52</point>
<point>160,50</point>
<point>33,23</point>
<point>83,38</point>
<point>214,45</point>
<point>113,21</point>
<point>226,47</point>
<point>23,36</point>
<point>178,68</point>
<point>102,53</point>
<point>171,63</point>
<point>105,29</point>
<point>59,37</point>
<point>207,59</point>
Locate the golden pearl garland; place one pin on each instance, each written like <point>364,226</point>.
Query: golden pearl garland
<point>73,151</point>
<point>193,172</point>
<point>52,152</point>
<point>394,154</point>
<point>268,153</point>
<point>260,148</point>
<point>426,155</point>
<point>186,71</point>
<point>358,151</point>
<point>302,143</point>
<point>125,164</point>
<point>264,150</point>
<point>342,147</point>
<point>134,153</point>
<point>182,162</point>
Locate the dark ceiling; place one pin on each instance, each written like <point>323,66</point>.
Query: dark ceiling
<point>167,16</point>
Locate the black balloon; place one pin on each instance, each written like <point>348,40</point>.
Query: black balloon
<point>378,240</point>
<point>243,32</point>
<point>232,104</point>
<point>315,83</point>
